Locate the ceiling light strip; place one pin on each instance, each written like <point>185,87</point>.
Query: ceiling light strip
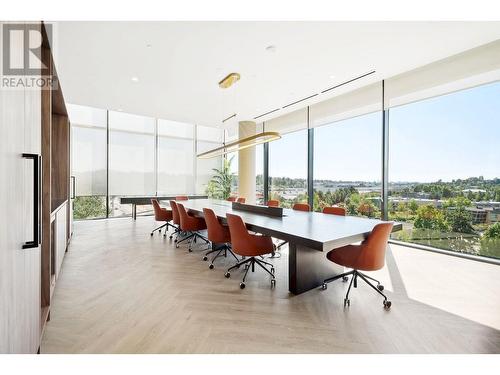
<point>301,100</point>
<point>264,114</point>
<point>346,82</point>
<point>229,118</point>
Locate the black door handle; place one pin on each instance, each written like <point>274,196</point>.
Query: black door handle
<point>37,177</point>
<point>73,190</point>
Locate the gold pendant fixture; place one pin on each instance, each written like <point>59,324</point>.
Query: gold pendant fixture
<point>229,80</point>
<point>242,143</point>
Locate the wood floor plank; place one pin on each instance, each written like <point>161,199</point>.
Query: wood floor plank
<point>122,291</point>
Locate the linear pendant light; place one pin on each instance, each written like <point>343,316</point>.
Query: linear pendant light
<point>240,144</point>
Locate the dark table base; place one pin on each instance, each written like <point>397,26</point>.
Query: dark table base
<point>308,268</point>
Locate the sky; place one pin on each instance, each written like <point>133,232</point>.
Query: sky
<point>447,137</point>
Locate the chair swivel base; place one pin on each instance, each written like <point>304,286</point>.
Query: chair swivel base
<point>192,237</point>
<point>354,282</point>
<point>221,251</point>
<point>251,262</point>
<point>167,224</point>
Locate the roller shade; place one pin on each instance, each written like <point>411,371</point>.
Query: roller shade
<point>364,100</point>
<point>293,121</point>
<point>468,69</point>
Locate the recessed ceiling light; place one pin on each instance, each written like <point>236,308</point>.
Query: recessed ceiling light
<point>271,48</point>
<point>134,79</point>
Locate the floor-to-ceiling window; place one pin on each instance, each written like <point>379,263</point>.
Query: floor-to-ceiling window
<point>347,165</point>
<point>288,168</point>
<point>444,171</point>
<point>259,174</point>
<point>175,158</point>
<point>207,138</point>
<point>88,159</point>
<point>131,159</point>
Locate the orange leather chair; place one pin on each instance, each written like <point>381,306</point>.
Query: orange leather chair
<point>301,207</point>
<point>219,237</point>
<point>161,214</point>
<point>249,246</point>
<point>334,211</point>
<point>192,225</point>
<point>231,199</point>
<point>273,203</point>
<point>181,198</point>
<point>297,207</point>
<point>368,256</point>
<point>177,221</point>
<point>241,200</point>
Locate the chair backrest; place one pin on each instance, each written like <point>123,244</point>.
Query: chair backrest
<point>241,200</point>
<point>334,211</point>
<point>215,229</point>
<point>372,256</point>
<point>240,239</point>
<point>273,203</point>
<point>175,213</point>
<point>181,198</point>
<point>157,209</point>
<point>231,199</point>
<point>183,216</point>
<point>301,207</point>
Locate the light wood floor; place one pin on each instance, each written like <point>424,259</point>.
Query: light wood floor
<point>122,291</point>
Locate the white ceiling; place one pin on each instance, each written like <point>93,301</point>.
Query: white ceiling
<point>178,73</point>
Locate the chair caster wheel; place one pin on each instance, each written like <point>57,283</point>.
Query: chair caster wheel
<point>380,287</point>
<point>175,241</point>
<point>227,275</point>
<point>190,250</point>
<point>205,258</point>
<point>273,283</point>
<point>170,237</point>
<point>211,266</point>
<point>345,279</point>
<point>324,286</point>
<point>242,285</point>
<point>176,246</point>
<point>347,302</point>
<point>387,304</point>
<point>151,234</point>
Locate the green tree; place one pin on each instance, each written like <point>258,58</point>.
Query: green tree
<point>429,217</point>
<point>459,219</point>
<point>413,206</point>
<point>89,207</point>
<point>219,187</point>
<point>493,231</point>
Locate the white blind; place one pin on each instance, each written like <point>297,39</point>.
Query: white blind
<point>364,100</point>
<point>467,69</point>
<point>293,121</point>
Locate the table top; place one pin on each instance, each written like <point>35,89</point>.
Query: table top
<point>146,199</point>
<point>313,229</point>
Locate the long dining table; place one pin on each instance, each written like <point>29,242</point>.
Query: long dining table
<point>310,236</point>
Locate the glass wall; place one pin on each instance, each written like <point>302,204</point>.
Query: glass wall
<point>288,169</point>
<point>88,158</point>
<point>347,165</point>
<point>207,138</point>
<point>259,174</point>
<point>444,171</point>
<point>131,160</point>
<point>175,158</point>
